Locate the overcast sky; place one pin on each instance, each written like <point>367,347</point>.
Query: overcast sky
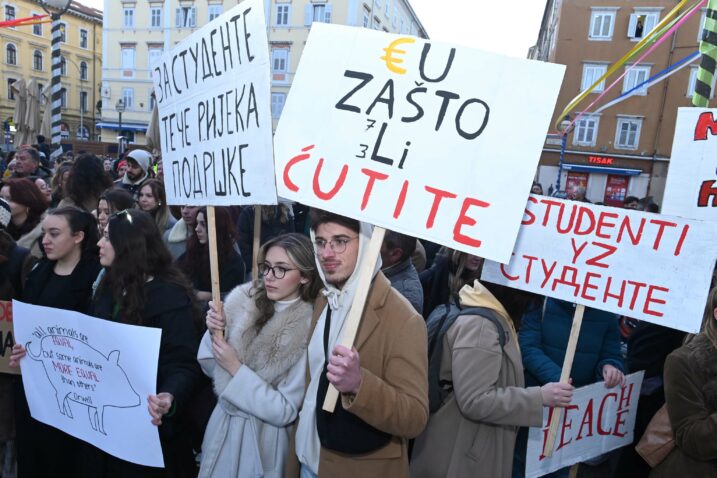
<point>504,27</point>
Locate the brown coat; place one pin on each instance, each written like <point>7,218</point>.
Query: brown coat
<point>691,393</point>
<point>473,433</point>
<point>393,396</point>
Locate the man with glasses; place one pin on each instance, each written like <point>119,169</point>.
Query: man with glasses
<point>382,381</point>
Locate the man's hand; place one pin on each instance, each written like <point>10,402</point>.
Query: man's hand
<point>344,370</point>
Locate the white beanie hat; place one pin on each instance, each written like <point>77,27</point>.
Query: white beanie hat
<point>5,214</point>
<point>141,157</point>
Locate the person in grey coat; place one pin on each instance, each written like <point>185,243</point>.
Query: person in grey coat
<point>396,252</point>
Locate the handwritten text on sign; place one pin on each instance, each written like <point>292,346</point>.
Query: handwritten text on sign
<point>431,140</point>
<point>691,188</point>
<point>90,378</point>
<point>213,94</point>
<point>597,420</point>
<point>6,338</point>
<point>646,266</point>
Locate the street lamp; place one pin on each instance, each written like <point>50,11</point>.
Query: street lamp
<point>565,129</point>
<point>119,106</point>
<point>59,7</point>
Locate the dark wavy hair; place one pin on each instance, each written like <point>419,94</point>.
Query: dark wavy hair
<point>196,260</point>
<point>87,180</point>
<point>80,220</point>
<point>118,199</point>
<point>140,254</point>
<point>57,192</point>
<point>24,191</point>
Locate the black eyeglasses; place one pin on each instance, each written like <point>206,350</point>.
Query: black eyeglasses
<point>278,271</point>
<point>337,245</point>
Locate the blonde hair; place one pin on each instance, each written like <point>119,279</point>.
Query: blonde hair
<point>458,275</point>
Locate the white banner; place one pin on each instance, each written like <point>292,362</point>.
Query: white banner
<point>90,378</point>
<point>597,421</point>
<point>642,265</point>
<point>214,98</point>
<point>424,138</point>
<point>691,188</point>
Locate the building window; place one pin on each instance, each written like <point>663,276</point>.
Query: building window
<point>636,76</point>
<point>154,55</point>
<point>63,97</point>
<point>586,129</point>
<point>127,58</point>
<point>37,27</point>
<point>155,15</point>
<point>11,54</point>
<point>602,23</point>
<point>63,32</point>
<point>37,60</point>
<point>83,132</point>
<point>215,11</point>
<point>83,70</point>
<point>10,91</point>
<point>128,18</point>
<point>366,17</point>
<point>317,13</point>
<point>84,36</point>
<point>128,97</point>
<point>693,81</point>
<point>282,15</point>
<point>83,101</point>
<point>279,60</point>
<point>591,73</point>
<point>277,104</point>
<point>63,66</point>
<point>627,135</point>
<point>641,22</point>
<point>186,17</point>
<point>9,13</point>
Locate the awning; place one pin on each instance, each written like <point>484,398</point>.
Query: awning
<point>125,126</point>
<point>583,168</point>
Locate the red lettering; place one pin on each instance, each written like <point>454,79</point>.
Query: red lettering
<point>292,162</point>
<point>610,250</point>
<point>620,297</point>
<point>550,203</point>
<point>577,251</point>
<point>625,398</point>
<point>531,216</point>
<point>573,282</point>
<point>567,425</point>
<point>587,420</point>
<point>530,266</point>
<point>401,200</point>
<point>547,272</point>
<point>705,122</point>
<point>582,213</point>
<point>635,292</point>
<point>646,308</point>
<point>587,285</point>
<point>565,230</point>
<point>600,414</point>
<point>662,224</point>
<point>683,236</point>
<point>551,410</point>
<point>627,226</point>
<point>372,177</point>
<point>619,420</point>
<point>602,222</point>
<point>63,368</point>
<point>5,311</point>
<point>438,197</point>
<point>337,186</point>
<point>707,190</point>
<point>505,273</point>
<point>465,220</point>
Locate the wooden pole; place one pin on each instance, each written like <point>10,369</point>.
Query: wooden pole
<point>256,244</point>
<point>214,258</point>
<point>564,378</point>
<point>366,268</point>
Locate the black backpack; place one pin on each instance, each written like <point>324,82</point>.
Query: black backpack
<point>438,324</point>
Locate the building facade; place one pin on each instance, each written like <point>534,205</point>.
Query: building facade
<point>625,149</point>
<point>26,54</point>
<point>138,31</point>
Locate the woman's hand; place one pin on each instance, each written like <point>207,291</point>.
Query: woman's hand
<point>159,405</point>
<point>613,376</point>
<point>18,352</point>
<point>557,394</point>
<point>216,320</point>
<point>225,355</point>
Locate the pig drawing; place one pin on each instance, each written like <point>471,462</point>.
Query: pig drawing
<point>81,374</point>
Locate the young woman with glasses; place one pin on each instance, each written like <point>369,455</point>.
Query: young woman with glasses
<point>255,352</point>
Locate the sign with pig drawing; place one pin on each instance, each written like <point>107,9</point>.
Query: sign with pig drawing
<point>90,378</point>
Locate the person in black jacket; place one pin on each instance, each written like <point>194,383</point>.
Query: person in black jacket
<point>63,280</point>
<point>142,287</point>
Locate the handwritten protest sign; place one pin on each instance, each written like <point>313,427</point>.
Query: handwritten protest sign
<point>597,420</point>
<point>6,338</point>
<point>691,188</point>
<point>424,138</point>
<point>99,374</point>
<point>213,94</point>
<point>646,266</point>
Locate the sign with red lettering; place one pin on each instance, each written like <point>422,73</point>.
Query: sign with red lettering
<point>597,421</point>
<point>691,187</point>
<point>6,338</point>
<point>642,265</point>
<point>424,138</point>
<point>604,160</point>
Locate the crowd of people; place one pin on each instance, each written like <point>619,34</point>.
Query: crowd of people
<point>241,383</point>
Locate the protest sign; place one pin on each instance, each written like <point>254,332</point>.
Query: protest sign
<point>646,266</point>
<point>213,94</point>
<point>424,138</point>
<point>597,421</point>
<point>99,374</point>
<point>6,338</point>
<point>691,188</point>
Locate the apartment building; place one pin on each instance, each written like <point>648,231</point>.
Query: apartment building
<point>138,31</point>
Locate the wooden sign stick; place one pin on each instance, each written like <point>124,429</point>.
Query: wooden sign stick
<point>214,258</point>
<point>256,243</point>
<point>564,378</point>
<point>366,268</point>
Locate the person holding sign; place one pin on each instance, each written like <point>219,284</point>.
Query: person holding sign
<point>143,287</point>
<point>259,368</point>
<point>691,393</point>
<point>382,381</point>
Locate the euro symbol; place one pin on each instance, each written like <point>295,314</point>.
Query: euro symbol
<point>392,61</point>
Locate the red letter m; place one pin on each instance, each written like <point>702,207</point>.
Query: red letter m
<point>705,122</point>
